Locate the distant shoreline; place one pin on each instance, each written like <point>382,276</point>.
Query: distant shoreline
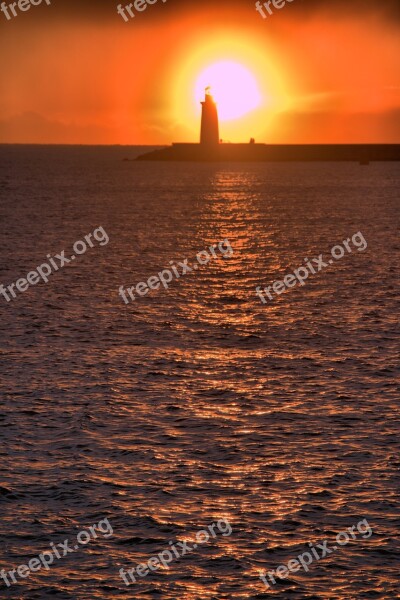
<point>363,153</point>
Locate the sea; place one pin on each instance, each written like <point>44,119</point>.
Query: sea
<point>198,404</point>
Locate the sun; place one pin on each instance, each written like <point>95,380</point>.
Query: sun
<point>233,87</point>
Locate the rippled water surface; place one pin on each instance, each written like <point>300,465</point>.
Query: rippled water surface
<point>199,403</point>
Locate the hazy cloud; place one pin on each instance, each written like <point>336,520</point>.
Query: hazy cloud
<point>106,9</point>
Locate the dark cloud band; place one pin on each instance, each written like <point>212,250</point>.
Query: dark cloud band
<point>101,9</point>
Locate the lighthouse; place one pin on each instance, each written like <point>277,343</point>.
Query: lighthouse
<point>209,122</point>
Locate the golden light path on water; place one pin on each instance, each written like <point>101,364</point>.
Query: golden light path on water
<point>198,403</point>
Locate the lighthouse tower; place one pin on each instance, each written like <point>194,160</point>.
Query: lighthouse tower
<point>209,122</point>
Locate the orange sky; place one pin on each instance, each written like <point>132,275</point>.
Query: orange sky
<point>325,75</point>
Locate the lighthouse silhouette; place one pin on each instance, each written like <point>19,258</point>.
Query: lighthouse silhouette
<point>209,135</point>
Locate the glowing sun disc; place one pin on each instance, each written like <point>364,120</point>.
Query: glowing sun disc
<point>233,87</point>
